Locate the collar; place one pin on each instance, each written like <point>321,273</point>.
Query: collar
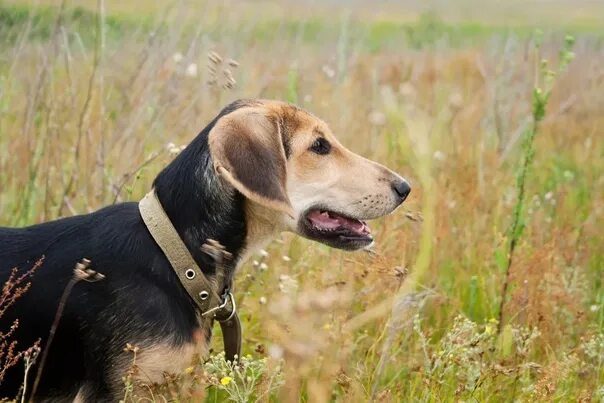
<point>201,289</point>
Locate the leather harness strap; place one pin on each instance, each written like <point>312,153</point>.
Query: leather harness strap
<point>201,290</point>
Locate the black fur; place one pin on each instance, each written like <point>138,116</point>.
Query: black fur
<point>140,301</point>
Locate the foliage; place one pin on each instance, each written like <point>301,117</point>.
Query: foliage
<point>95,103</point>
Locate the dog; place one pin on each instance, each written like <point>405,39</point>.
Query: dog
<point>259,168</point>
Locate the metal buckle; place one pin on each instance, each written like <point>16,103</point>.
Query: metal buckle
<point>228,296</point>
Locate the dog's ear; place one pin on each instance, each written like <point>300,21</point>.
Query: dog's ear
<point>247,149</point>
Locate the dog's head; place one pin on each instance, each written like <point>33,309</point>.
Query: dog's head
<point>286,160</point>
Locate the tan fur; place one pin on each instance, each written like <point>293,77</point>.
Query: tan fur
<point>263,224</point>
<point>341,180</point>
<point>80,398</point>
<point>157,360</point>
<point>152,362</point>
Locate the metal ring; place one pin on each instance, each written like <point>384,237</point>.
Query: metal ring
<point>234,308</point>
<point>224,303</point>
<point>190,274</point>
<point>203,295</point>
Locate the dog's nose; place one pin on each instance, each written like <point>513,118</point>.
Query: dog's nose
<point>402,188</point>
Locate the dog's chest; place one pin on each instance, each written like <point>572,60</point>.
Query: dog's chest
<point>154,363</point>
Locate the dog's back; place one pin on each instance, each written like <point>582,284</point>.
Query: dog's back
<point>24,249</point>
<point>58,246</point>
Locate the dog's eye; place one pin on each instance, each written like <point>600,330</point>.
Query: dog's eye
<point>320,146</point>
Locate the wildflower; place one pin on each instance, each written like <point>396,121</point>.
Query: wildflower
<point>177,57</point>
<point>191,70</point>
<point>225,380</point>
<point>189,370</point>
<point>263,266</point>
<point>262,300</point>
<point>439,155</point>
<point>173,149</point>
<point>286,258</point>
<point>263,252</point>
<point>328,71</point>
<point>287,284</point>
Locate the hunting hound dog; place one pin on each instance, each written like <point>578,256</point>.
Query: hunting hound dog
<point>259,168</point>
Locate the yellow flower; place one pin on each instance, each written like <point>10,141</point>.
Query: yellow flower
<point>189,370</point>
<point>226,380</point>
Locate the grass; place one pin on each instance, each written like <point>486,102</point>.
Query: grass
<point>94,105</point>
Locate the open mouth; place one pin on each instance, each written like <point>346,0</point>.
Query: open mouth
<point>336,229</point>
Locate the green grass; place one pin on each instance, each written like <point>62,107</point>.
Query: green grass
<point>427,31</point>
<point>448,102</point>
<point>39,23</point>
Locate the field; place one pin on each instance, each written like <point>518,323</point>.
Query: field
<point>486,285</point>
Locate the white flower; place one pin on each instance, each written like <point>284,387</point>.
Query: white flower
<point>263,253</point>
<point>329,72</point>
<point>174,149</point>
<point>439,155</point>
<point>286,258</point>
<point>263,266</point>
<point>177,57</point>
<point>287,284</point>
<point>191,70</point>
<point>262,300</point>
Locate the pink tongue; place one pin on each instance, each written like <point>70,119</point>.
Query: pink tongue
<point>324,221</point>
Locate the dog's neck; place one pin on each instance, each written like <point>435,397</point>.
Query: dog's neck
<point>263,225</point>
<point>200,206</point>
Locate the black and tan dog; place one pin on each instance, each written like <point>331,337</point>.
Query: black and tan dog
<point>260,167</point>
